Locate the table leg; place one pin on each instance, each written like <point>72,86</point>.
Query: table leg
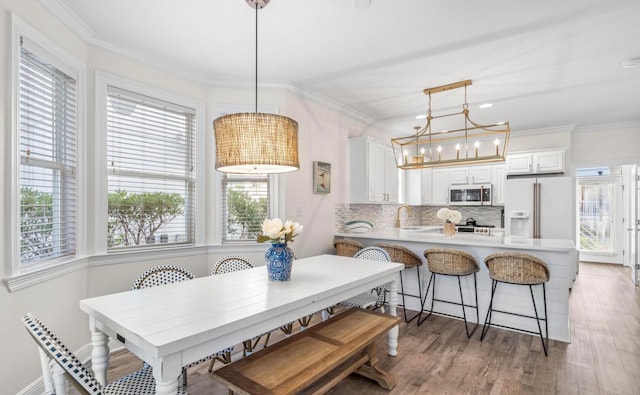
<point>99,352</point>
<point>393,332</point>
<point>167,372</point>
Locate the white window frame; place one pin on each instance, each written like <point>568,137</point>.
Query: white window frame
<point>276,187</point>
<point>102,81</point>
<point>64,61</point>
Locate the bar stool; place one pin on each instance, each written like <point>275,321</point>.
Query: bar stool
<point>449,262</point>
<point>519,269</point>
<point>409,259</point>
<point>346,247</point>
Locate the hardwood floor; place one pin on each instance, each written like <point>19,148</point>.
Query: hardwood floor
<point>437,357</point>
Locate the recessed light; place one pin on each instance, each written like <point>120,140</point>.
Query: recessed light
<point>485,105</point>
<point>631,62</point>
<point>421,116</point>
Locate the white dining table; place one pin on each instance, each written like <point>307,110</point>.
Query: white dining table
<point>172,325</point>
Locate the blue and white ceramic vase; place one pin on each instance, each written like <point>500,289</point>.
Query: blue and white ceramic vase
<point>279,259</point>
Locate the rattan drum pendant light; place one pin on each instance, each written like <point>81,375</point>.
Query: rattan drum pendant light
<point>256,142</point>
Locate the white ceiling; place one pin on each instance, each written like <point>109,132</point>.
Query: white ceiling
<point>541,63</point>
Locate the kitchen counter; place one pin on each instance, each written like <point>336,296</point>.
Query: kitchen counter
<point>433,234</point>
<point>560,256</point>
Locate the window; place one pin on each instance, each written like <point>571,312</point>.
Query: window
<point>47,135</point>
<point>245,205</point>
<point>151,176</point>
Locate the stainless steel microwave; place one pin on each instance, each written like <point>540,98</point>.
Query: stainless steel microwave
<point>471,195</point>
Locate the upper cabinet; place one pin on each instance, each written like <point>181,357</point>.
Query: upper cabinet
<point>470,175</point>
<point>543,162</point>
<point>373,175</point>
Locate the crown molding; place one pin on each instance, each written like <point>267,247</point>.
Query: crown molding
<point>609,126</point>
<point>549,130</point>
<point>68,18</point>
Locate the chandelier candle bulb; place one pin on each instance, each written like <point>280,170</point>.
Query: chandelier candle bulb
<point>439,152</point>
<point>457,151</point>
<point>497,142</point>
<point>477,145</point>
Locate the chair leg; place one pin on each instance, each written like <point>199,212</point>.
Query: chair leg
<point>431,279</point>
<point>184,377</point>
<point>535,309</point>
<point>404,305</point>
<point>464,314</point>
<point>487,320</point>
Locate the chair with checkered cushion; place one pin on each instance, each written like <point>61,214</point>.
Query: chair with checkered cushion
<point>140,382</point>
<point>167,274</point>
<point>375,298</point>
<point>160,275</point>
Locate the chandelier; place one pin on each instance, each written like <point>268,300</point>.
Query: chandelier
<point>467,143</point>
<point>256,142</point>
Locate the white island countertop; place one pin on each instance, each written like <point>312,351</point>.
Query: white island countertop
<point>433,234</point>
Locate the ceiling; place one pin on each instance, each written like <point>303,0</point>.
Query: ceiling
<point>540,63</point>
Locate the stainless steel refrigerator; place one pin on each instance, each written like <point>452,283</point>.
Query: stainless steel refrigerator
<point>540,207</point>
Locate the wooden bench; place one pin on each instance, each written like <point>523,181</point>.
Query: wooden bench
<point>315,360</point>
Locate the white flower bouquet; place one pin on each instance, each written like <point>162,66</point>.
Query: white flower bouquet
<point>449,216</point>
<point>276,232</point>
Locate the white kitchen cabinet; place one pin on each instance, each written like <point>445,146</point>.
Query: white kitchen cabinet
<point>498,178</point>
<point>470,175</point>
<point>373,172</point>
<point>536,162</point>
<point>440,187</point>
<point>426,186</point>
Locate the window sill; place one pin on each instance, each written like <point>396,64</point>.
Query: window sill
<point>26,280</point>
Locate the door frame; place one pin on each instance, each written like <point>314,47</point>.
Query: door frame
<point>619,234</point>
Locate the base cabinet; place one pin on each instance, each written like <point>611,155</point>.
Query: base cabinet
<point>373,175</point>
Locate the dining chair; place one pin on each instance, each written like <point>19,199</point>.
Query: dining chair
<point>167,274</point>
<point>376,298</point>
<point>140,382</point>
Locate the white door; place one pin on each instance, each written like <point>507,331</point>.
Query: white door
<point>600,226</point>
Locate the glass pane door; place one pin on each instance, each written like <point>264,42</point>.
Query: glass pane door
<point>599,205</point>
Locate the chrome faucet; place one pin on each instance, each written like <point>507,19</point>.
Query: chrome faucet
<point>398,214</point>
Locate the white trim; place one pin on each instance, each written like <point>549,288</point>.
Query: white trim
<point>26,280</point>
<point>608,126</point>
<point>77,69</point>
<point>68,18</point>
<point>102,80</point>
<point>550,130</point>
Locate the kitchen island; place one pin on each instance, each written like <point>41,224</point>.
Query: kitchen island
<point>559,255</point>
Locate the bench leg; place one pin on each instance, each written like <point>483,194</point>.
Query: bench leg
<point>371,371</point>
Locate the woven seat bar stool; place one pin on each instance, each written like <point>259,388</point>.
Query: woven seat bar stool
<point>519,269</point>
<point>409,259</point>
<point>450,262</point>
<point>346,247</point>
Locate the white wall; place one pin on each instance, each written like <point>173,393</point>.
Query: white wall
<point>323,131</point>
<point>323,135</point>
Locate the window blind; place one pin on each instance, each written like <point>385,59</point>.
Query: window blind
<point>47,108</point>
<point>245,205</point>
<point>151,178</point>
